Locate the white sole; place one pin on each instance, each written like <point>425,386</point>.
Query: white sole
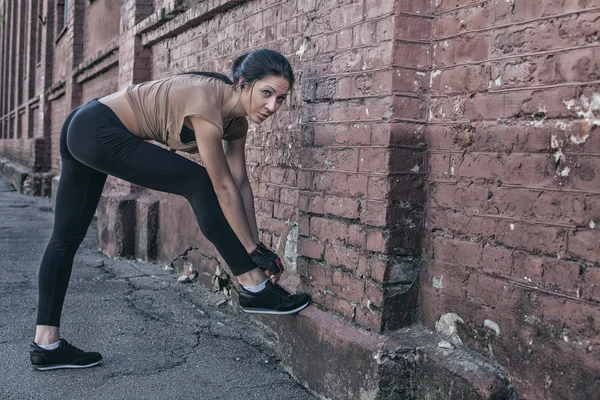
<point>264,311</point>
<point>66,366</point>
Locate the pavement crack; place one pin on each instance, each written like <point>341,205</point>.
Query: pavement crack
<point>183,256</point>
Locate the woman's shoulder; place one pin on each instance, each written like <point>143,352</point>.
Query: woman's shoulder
<point>196,88</point>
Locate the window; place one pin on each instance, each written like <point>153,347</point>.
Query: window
<point>62,16</point>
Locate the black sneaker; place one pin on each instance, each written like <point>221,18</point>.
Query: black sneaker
<point>273,299</point>
<point>64,356</point>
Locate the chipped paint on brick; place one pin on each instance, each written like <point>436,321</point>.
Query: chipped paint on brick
<point>488,323</point>
<point>438,283</point>
<point>555,143</point>
<point>446,326</point>
<point>559,156</point>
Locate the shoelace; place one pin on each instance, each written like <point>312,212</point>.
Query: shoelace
<point>69,346</point>
<point>278,289</point>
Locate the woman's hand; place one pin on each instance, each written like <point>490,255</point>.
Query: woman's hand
<point>268,261</point>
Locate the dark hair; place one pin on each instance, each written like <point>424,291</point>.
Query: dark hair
<point>254,66</point>
<point>261,63</point>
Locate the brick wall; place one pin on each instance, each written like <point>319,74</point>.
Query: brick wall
<point>58,111</point>
<point>512,241</point>
<point>435,157</point>
<point>102,26</point>
<point>107,83</point>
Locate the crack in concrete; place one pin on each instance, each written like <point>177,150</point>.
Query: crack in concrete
<point>183,256</point>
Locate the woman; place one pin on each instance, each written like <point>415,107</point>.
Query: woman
<point>194,112</point>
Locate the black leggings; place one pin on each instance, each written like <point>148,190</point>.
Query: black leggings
<point>94,143</point>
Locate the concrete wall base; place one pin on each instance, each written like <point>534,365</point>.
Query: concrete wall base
<point>339,361</point>
<point>128,225</point>
<point>26,181</point>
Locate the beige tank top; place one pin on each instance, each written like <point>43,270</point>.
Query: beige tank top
<point>162,106</point>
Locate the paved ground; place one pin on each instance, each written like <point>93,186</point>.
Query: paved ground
<point>159,339</point>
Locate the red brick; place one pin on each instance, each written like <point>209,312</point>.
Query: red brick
<point>324,134</point>
<point>378,9</point>
<point>461,79</point>
<point>343,160</point>
<point>412,28</point>
<point>374,160</point>
<point>344,39</point>
<point>368,319</point>
<point>341,256</point>
<point>357,236</point>
<point>379,187</point>
<point>365,34</point>
<point>340,206</point>
<point>285,211</point>
<point>357,185</point>
<point>302,266</point>
<point>382,83</point>
<point>458,252</point>
<point>305,180</point>
<point>313,157</point>
<point>485,106</point>
<point>585,245</point>
<point>328,230</point>
<point>374,213</point>
<point>345,15</point>
<point>377,240</point>
<point>321,277</point>
<point>348,287</point>
<point>310,202</point>
<point>288,196</point>
<point>592,289</point>
<point>331,182</point>
<point>310,248</point>
<point>415,55</point>
<point>340,306</point>
<point>373,294</point>
<point>496,260</point>
<point>377,265</point>
<point>304,225</point>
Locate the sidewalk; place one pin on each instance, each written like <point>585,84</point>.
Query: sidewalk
<point>159,339</point>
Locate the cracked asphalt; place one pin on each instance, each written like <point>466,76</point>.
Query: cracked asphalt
<point>159,339</point>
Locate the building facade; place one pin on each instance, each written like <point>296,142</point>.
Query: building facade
<point>436,169</point>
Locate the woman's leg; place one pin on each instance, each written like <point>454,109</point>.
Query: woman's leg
<point>78,194</point>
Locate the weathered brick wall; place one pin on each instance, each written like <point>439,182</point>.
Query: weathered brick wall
<point>272,161</point>
<point>102,23</point>
<point>322,177</point>
<point>465,128</point>
<point>59,111</point>
<point>514,192</point>
<point>107,83</point>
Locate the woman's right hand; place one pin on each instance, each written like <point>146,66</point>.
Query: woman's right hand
<point>268,261</point>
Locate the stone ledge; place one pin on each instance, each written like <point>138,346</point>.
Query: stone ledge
<point>25,181</point>
<point>14,173</point>
<point>128,225</point>
<point>339,361</point>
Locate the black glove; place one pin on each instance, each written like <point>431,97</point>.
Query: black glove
<point>266,259</point>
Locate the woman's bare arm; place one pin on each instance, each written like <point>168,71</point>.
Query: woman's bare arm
<point>208,139</point>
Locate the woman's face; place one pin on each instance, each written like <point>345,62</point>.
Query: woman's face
<point>266,97</point>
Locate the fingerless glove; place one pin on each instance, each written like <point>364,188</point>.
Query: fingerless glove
<point>266,259</point>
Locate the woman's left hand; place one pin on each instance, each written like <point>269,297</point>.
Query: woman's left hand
<point>268,261</point>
